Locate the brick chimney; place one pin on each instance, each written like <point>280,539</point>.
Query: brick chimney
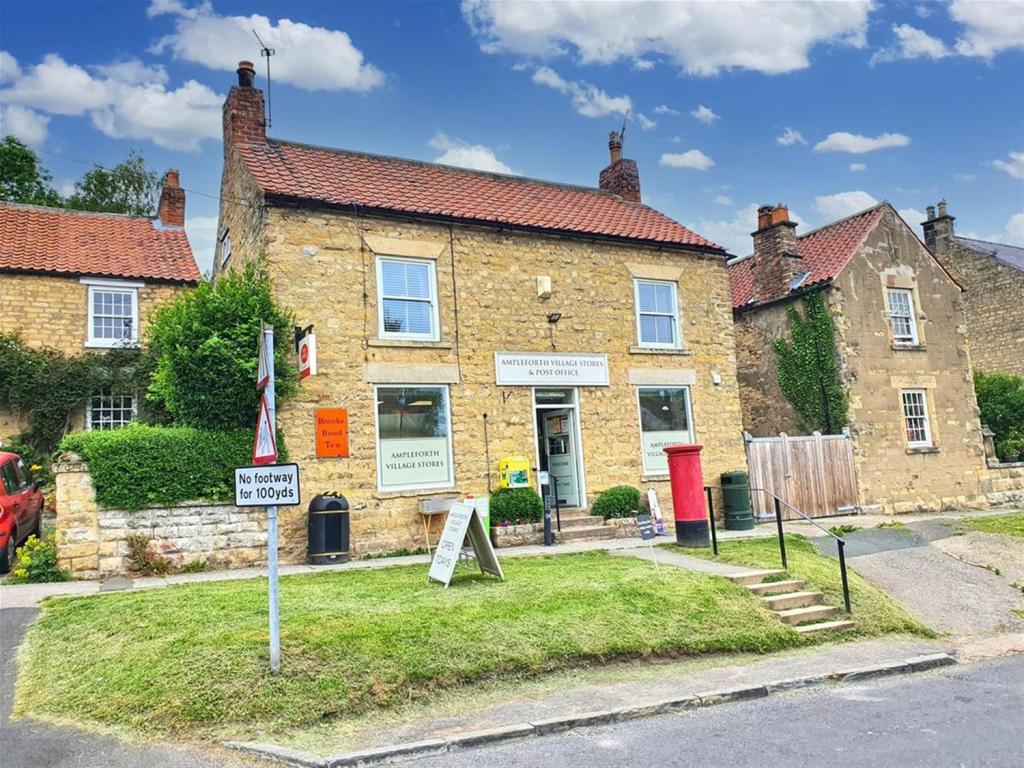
<point>621,176</point>
<point>171,209</point>
<point>938,230</point>
<point>244,117</point>
<point>776,257</point>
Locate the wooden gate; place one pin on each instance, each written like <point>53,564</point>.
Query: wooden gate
<point>814,473</point>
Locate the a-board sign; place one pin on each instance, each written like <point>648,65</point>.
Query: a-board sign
<point>276,484</point>
<point>462,520</point>
<point>331,433</point>
<point>645,525</point>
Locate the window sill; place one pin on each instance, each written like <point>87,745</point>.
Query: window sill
<point>409,343</point>
<point>654,478</point>
<point>413,493</point>
<point>923,449</point>
<point>909,347</point>
<point>635,350</point>
<point>107,345</point>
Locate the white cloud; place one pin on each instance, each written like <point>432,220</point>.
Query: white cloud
<point>133,72</point>
<point>910,43</point>
<point>177,119</point>
<point>693,159</point>
<point>311,58</point>
<point>59,88</point>
<point>989,27</point>
<point>923,11</point>
<point>464,155</point>
<point>704,114</point>
<point>676,140</point>
<point>643,65</point>
<point>645,122</point>
<point>665,109</point>
<point>913,217</point>
<point>23,123</point>
<point>857,167</point>
<point>701,38</point>
<point>856,144</point>
<point>1013,232</point>
<point>9,69</point>
<point>964,176</point>
<point>202,236</point>
<point>842,204</point>
<point>587,99</point>
<point>1015,167</point>
<point>734,233</point>
<point>722,200</point>
<point>789,137</point>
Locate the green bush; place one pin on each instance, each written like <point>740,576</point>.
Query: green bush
<point>140,465</point>
<point>206,348</point>
<point>617,501</point>
<point>511,506</point>
<point>1001,400</point>
<point>36,562</point>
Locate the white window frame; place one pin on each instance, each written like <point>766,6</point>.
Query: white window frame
<point>640,423</point>
<point>450,482</point>
<point>100,285</point>
<point>677,341</point>
<point>435,326</point>
<point>89,407</point>
<point>225,248</point>
<point>923,394</point>
<point>906,341</point>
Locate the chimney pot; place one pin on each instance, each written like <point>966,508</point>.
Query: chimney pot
<point>621,176</point>
<point>942,208</point>
<point>171,208</point>
<point>243,115</point>
<point>930,212</point>
<point>246,74</point>
<point>615,146</point>
<point>776,258</point>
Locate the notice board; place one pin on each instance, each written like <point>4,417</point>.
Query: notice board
<point>331,433</point>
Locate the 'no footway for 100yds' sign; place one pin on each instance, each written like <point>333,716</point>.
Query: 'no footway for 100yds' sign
<point>276,485</point>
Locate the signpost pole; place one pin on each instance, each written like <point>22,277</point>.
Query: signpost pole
<point>275,622</point>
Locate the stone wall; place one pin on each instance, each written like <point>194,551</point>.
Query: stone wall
<point>322,262</point>
<point>1004,483</point>
<point>92,541</point>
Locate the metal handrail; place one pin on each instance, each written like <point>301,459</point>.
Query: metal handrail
<point>840,541</point>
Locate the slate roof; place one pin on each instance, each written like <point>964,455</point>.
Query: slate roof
<point>1010,255</point>
<point>342,177</point>
<point>59,241</point>
<point>825,252</point>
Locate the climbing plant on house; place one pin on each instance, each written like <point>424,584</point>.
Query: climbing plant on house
<point>807,369</point>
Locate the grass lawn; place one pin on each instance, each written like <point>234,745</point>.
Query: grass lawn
<point>1008,525</point>
<point>193,659</point>
<point>873,610</point>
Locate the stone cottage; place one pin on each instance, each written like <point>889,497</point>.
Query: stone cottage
<point>992,275</point>
<point>75,281</point>
<point>903,352</point>
<point>463,316</point>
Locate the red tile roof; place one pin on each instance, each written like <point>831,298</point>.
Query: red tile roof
<point>55,240</point>
<point>341,177</point>
<point>824,252</point>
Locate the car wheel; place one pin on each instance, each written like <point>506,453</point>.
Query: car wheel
<point>7,556</point>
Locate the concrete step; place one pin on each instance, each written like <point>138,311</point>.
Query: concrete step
<point>587,534</point>
<point>756,577</point>
<point>776,587</point>
<point>809,613</point>
<point>583,521</point>
<point>793,600</point>
<point>825,626</point>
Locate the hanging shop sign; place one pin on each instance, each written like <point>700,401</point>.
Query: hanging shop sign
<point>331,433</point>
<point>532,369</point>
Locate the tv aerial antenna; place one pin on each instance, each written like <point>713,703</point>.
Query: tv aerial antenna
<point>266,53</point>
<point>622,133</point>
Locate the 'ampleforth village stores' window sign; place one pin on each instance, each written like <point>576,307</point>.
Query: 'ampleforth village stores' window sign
<point>530,369</point>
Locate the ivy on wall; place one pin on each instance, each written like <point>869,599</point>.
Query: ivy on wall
<point>806,366</point>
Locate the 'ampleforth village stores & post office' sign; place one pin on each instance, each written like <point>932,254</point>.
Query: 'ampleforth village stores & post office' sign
<point>533,369</point>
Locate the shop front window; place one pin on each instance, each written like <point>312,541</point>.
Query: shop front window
<point>414,448</point>
<point>664,420</point>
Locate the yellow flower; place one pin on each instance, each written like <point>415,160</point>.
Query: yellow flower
<point>36,467</point>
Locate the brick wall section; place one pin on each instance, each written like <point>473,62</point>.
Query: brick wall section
<point>320,265</point>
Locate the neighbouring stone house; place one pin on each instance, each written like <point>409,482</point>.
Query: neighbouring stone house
<point>992,275</point>
<point>464,316</point>
<point>902,349</point>
<point>76,281</point>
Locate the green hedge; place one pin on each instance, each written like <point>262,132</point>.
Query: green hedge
<point>1001,400</point>
<point>515,506</point>
<point>141,465</point>
<point>617,501</point>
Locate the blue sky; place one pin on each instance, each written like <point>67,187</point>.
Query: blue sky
<point>825,106</point>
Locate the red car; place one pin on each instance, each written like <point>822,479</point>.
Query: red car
<point>21,506</point>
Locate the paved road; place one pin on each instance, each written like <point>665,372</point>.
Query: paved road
<point>28,744</point>
<point>960,716</point>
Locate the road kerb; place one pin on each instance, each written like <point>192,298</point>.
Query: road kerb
<point>282,755</point>
<point>377,755</point>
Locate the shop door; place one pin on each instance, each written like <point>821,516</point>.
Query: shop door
<point>562,455</point>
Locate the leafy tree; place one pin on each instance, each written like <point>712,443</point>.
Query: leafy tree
<point>1001,400</point>
<point>22,178</point>
<point>206,348</point>
<point>806,366</point>
<point>128,187</point>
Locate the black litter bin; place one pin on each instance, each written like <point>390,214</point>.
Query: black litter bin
<point>328,529</point>
<point>736,500</point>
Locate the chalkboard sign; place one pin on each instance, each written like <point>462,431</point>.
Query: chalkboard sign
<point>646,527</point>
<point>463,520</point>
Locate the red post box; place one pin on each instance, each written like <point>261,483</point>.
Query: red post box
<point>688,495</point>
